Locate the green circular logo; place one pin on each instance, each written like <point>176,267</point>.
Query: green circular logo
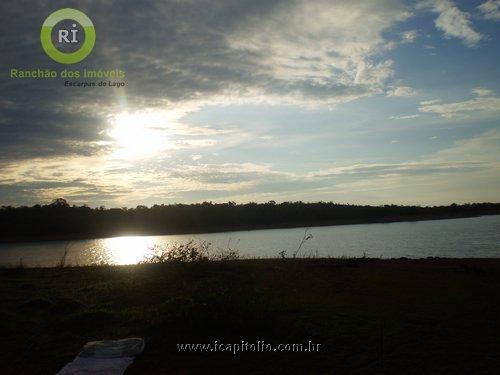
<point>67,36</point>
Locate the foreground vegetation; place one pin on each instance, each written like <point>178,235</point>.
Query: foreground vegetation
<point>59,220</point>
<point>370,316</point>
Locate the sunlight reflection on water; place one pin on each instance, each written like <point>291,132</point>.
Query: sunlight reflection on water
<point>467,237</point>
<point>127,250</point>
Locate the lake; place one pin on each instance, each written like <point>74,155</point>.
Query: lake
<point>458,238</point>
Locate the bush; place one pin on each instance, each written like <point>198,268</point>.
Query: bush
<point>190,252</point>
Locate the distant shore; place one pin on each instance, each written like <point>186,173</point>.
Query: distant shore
<point>61,221</point>
<point>233,228</point>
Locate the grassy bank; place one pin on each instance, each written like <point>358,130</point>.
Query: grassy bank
<point>370,316</point>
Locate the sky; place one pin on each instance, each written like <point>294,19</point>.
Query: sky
<point>363,102</point>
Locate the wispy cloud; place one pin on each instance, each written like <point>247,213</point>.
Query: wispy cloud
<point>404,117</point>
<point>484,103</point>
<point>458,173</point>
<point>402,92</point>
<point>86,179</point>
<point>409,36</point>
<point>452,21</point>
<point>490,10</point>
<point>481,91</point>
<point>400,169</point>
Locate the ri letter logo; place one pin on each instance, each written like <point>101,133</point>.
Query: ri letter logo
<point>67,36</point>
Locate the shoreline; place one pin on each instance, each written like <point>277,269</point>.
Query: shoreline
<point>252,261</point>
<point>337,222</point>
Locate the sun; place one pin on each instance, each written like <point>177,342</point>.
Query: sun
<point>138,135</point>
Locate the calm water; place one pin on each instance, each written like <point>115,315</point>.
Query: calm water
<point>469,237</point>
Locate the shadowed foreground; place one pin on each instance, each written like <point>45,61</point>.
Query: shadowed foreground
<point>370,316</point>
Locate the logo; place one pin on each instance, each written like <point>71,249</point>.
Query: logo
<point>72,32</point>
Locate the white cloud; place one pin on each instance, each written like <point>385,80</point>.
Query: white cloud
<point>483,148</point>
<point>490,10</point>
<point>324,50</point>
<point>404,117</point>
<point>452,21</point>
<point>468,171</point>
<point>402,91</point>
<point>409,36</point>
<point>429,102</point>
<point>417,168</point>
<point>484,102</point>
<point>98,180</point>
<point>481,91</point>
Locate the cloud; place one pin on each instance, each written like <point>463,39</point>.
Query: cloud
<point>402,92</point>
<point>190,54</point>
<point>409,36</point>
<point>94,180</point>
<point>482,148</point>
<point>452,21</point>
<point>404,117</point>
<point>262,50</point>
<point>399,169</point>
<point>88,179</point>
<point>429,102</point>
<point>484,102</point>
<point>332,58</point>
<point>463,172</point>
<point>481,91</point>
<point>490,10</point>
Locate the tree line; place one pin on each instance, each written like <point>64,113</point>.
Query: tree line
<point>59,220</point>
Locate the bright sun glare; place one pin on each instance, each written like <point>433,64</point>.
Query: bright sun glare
<point>138,135</point>
<point>128,250</point>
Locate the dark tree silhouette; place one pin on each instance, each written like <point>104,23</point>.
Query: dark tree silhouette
<point>59,220</point>
<point>59,202</point>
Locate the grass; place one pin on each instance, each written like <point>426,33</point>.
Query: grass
<point>369,315</point>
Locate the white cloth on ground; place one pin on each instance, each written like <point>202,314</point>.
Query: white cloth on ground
<point>107,357</point>
<point>97,366</point>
